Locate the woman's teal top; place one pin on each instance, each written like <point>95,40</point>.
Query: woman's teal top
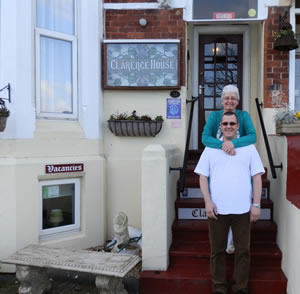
<point>211,130</point>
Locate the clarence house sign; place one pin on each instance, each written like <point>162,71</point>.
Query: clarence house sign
<point>141,65</point>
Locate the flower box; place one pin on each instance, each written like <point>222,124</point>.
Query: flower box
<point>288,128</point>
<point>135,128</point>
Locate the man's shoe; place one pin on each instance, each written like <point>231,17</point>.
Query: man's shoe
<point>240,292</point>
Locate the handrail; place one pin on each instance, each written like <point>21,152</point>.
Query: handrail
<point>272,166</point>
<point>186,150</point>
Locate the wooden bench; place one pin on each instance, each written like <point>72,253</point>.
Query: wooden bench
<point>33,261</point>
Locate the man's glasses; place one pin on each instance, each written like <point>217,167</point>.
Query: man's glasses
<point>229,123</point>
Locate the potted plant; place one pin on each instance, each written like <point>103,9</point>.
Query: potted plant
<point>122,124</point>
<point>4,114</point>
<point>287,121</point>
<point>285,38</point>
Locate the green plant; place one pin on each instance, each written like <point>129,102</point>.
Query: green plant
<point>4,111</point>
<point>118,116</point>
<point>285,30</point>
<point>159,118</point>
<point>134,116</point>
<point>285,115</point>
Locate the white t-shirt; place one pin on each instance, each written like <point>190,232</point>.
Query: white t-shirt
<point>230,177</point>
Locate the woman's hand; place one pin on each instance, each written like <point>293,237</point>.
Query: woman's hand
<point>228,147</point>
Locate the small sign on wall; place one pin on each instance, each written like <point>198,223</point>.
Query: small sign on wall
<point>141,65</point>
<point>64,168</point>
<point>173,108</point>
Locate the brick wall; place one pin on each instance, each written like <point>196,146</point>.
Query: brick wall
<point>161,24</point>
<point>276,63</point>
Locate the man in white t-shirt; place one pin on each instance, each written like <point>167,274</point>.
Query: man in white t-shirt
<point>227,195</point>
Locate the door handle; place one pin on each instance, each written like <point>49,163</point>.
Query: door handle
<point>200,89</point>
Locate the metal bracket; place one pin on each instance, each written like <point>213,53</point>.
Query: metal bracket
<point>8,89</point>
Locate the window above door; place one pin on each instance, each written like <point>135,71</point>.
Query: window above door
<point>232,10</point>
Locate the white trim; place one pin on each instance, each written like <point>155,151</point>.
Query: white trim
<point>128,6</point>
<point>63,229</point>
<point>142,5</point>
<point>208,30</point>
<point>65,37</point>
<point>141,41</point>
<point>292,59</point>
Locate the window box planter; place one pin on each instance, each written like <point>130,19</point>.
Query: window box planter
<point>135,128</point>
<point>291,128</point>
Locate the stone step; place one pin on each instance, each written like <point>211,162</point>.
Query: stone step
<point>194,280</point>
<point>197,231</point>
<point>194,208</point>
<point>189,253</point>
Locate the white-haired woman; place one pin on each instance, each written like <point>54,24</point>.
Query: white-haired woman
<point>212,136</point>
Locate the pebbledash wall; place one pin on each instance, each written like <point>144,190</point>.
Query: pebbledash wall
<point>29,144</point>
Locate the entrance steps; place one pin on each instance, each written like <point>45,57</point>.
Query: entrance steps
<point>189,270</point>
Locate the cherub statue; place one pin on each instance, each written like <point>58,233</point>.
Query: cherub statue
<point>121,229</point>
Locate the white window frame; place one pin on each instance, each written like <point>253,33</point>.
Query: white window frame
<point>64,37</point>
<point>63,229</point>
<point>292,58</point>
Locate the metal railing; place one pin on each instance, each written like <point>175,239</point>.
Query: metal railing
<point>182,169</point>
<point>269,153</point>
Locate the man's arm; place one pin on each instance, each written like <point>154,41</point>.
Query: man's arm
<point>210,207</point>
<point>257,188</point>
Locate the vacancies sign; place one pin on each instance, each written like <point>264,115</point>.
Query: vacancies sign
<point>64,168</point>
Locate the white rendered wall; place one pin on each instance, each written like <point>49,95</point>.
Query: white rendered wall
<point>158,197</point>
<point>124,154</point>
<point>27,144</point>
<point>287,217</point>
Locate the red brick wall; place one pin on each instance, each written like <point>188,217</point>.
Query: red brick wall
<point>161,24</point>
<point>276,63</point>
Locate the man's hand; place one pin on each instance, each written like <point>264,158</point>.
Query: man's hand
<point>211,209</point>
<point>228,147</point>
<point>254,214</point>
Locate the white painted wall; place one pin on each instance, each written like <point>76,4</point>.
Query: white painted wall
<point>27,144</point>
<point>124,154</point>
<point>287,217</point>
<point>158,197</point>
<point>17,62</point>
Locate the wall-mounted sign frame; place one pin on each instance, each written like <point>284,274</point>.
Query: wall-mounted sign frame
<point>141,64</point>
<point>64,168</point>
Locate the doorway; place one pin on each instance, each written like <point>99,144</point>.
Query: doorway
<point>220,64</point>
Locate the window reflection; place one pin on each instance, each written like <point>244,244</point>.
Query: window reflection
<point>209,49</point>
<point>56,75</point>
<point>209,103</point>
<point>232,49</point>
<point>56,15</point>
<point>220,49</point>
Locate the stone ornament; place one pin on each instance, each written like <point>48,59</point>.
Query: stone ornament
<point>32,263</point>
<point>121,230</point>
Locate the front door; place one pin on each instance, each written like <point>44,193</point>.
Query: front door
<point>220,64</point>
